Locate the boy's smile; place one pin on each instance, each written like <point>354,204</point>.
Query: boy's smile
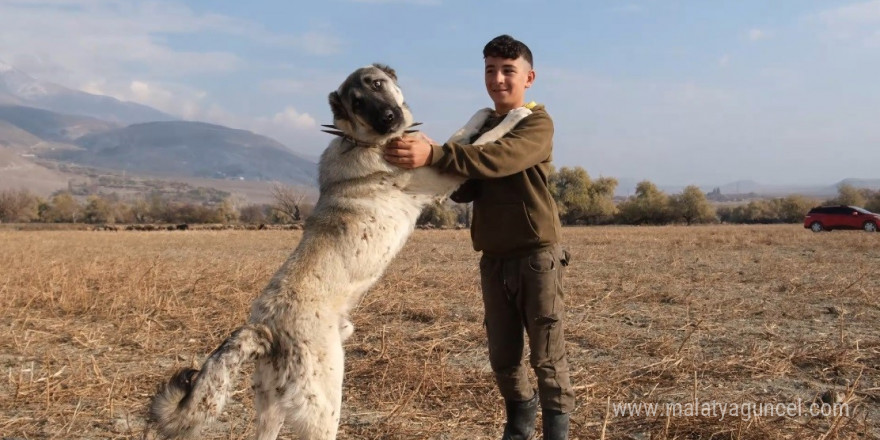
<point>506,82</point>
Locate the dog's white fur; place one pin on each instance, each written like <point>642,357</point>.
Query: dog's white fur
<point>366,211</point>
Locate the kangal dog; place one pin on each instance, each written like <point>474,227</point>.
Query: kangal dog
<point>366,210</point>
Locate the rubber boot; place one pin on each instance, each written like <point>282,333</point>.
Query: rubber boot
<point>520,419</point>
<point>555,425</point>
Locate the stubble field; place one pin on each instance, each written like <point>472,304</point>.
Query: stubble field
<point>91,322</point>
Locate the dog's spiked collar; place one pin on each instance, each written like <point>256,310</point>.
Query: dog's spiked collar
<point>332,129</point>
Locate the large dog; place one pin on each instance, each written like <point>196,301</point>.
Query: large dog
<point>366,210</point>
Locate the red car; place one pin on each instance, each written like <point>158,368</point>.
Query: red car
<point>826,218</point>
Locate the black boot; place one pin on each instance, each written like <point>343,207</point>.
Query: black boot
<point>520,419</point>
<point>555,425</point>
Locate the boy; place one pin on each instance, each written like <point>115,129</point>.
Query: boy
<point>516,226</point>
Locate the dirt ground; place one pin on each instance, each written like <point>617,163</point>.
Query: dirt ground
<point>91,322</point>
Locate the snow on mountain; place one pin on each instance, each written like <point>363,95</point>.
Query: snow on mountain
<point>17,87</point>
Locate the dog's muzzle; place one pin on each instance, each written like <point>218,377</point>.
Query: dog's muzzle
<point>388,121</point>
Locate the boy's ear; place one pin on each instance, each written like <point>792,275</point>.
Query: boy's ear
<point>339,112</point>
<point>531,78</point>
<point>389,71</point>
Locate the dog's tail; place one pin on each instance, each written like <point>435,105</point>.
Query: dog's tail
<point>194,397</point>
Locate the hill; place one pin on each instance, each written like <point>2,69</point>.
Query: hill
<point>190,149</point>
<point>52,126</point>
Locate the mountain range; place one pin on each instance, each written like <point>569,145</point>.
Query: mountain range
<point>196,149</point>
<point>45,126</point>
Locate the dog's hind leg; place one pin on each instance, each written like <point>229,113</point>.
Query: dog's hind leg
<point>270,388</point>
<point>328,410</point>
<point>270,414</point>
<point>313,399</point>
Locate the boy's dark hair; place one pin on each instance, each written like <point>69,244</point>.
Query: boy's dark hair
<point>505,46</point>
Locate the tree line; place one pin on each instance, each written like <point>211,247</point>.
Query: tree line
<point>581,200</point>
<point>21,206</point>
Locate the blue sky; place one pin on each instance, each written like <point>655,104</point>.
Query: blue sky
<point>781,92</point>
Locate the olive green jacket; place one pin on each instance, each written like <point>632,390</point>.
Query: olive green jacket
<point>514,213</point>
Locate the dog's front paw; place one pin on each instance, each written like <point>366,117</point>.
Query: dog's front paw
<point>519,113</point>
<point>472,127</point>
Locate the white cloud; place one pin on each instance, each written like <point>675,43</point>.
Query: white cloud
<point>173,99</point>
<point>854,23</point>
<point>756,35</point>
<point>290,117</point>
<point>306,82</point>
<point>88,41</point>
<point>296,129</point>
<point>852,14</point>
<point>77,41</point>
<point>320,43</point>
<point>315,42</point>
<point>698,96</point>
<point>184,103</point>
<point>191,104</point>
<point>289,126</point>
<point>287,86</point>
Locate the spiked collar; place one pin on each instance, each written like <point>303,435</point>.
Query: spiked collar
<point>332,129</point>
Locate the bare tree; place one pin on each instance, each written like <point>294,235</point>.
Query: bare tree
<point>289,200</point>
<point>18,206</point>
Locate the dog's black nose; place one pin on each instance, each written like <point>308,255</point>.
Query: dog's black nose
<point>389,116</point>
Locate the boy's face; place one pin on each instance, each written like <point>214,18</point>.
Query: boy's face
<point>507,81</point>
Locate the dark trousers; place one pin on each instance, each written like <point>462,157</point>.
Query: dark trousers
<point>525,294</point>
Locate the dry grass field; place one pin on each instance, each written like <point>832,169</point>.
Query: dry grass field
<point>91,322</point>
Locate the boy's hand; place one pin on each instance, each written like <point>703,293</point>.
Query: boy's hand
<point>410,151</point>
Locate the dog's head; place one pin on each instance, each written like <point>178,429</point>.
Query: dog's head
<point>369,105</point>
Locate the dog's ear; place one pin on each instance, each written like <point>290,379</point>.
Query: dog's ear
<point>339,112</point>
<point>389,71</point>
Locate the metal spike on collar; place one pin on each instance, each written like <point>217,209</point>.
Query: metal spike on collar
<point>354,142</point>
<point>335,133</point>
<point>333,126</point>
<point>410,129</point>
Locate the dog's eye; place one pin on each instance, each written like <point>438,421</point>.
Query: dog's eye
<point>377,84</point>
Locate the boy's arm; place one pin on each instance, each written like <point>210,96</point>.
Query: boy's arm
<point>528,144</point>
